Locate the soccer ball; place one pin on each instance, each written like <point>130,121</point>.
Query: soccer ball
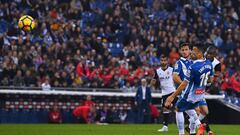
<point>26,23</point>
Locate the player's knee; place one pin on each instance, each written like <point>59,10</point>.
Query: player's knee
<point>197,110</point>
<point>177,110</point>
<point>204,110</point>
<point>192,119</point>
<point>166,109</point>
<point>192,114</point>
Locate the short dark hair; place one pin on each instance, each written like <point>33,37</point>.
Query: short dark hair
<point>182,44</point>
<point>211,49</point>
<point>200,46</point>
<point>162,56</point>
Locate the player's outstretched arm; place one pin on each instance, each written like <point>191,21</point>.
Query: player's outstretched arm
<point>177,79</point>
<point>181,87</point>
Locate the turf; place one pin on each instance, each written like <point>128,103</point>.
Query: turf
<point>79,129</point>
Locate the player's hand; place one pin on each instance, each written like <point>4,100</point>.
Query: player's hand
<point>168,102</point>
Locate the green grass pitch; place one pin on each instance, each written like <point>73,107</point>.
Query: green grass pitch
<point>112,129</point>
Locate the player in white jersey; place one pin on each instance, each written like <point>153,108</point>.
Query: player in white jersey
<point>165,78</point>
<point>202,109</point>
<point>211,55</point>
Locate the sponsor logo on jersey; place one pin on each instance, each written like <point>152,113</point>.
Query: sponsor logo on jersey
<point>199,91</point>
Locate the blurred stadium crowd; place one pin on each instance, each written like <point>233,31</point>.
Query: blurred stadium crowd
<point>112,43</point>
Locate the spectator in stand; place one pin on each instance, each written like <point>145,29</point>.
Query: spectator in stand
<point>173,56</point>
<point>46,86</point>
<point>226,84</point>
<point>82,71</point>
<point>235,80</point>
<point>18,80</point>
<point>104,115</point>
<point>114,115</point>
<point>5,81</point>
<point>29,79</point>
<point>122,115</point>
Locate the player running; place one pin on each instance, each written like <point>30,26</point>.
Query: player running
<point>197,77</point>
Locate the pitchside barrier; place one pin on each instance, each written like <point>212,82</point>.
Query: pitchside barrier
<point>25,105</point>
<point>93,93</point>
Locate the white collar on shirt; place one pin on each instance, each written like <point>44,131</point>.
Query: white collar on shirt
<point>183,58</point>
<point>200,60</point>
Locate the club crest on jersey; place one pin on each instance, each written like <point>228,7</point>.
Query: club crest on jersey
<point>188,73</point>
<point>176,66</point>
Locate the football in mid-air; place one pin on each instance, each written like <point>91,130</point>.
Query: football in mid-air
<point>26,23</point>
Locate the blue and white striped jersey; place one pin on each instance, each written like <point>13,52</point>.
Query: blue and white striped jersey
<point>181,67</point>
<point>197,76</point>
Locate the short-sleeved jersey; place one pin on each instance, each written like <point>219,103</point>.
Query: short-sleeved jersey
<point>181,67</point>
<point>166,80</point>
<point>197,76</point>
<point>216,65</point>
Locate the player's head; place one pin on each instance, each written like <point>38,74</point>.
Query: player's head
<point>163,60</point>
<point>55,108</point>
<point>210,53</point>
<point>197,51</point>
<point>89,97</point>
<point>185,49</point>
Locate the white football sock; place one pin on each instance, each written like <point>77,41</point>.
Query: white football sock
<point>194,120</point>
<point>180,122</point>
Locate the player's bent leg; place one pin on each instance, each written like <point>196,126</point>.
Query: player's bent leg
<point>203,111</point>
<point>193,120</point>
<point>203,117</point>
<point>197,109</point>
